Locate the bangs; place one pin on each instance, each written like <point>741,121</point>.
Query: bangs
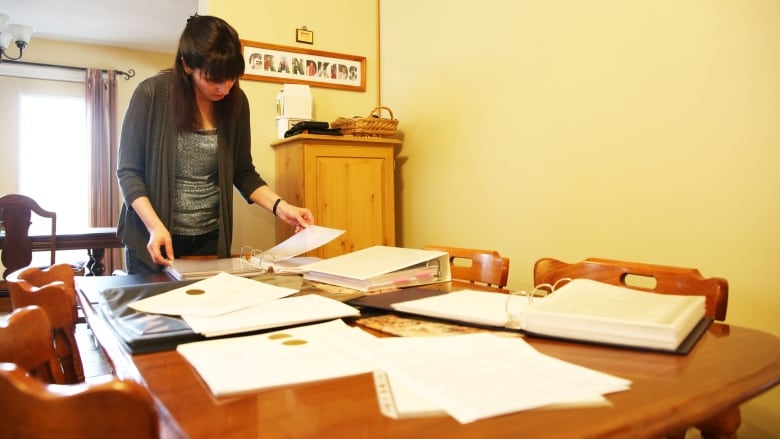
<point>222,68</point>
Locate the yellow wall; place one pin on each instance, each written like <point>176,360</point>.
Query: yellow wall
<point>352,33</point>
<point>645,130</point>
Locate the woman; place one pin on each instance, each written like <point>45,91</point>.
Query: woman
<point>185,143</point>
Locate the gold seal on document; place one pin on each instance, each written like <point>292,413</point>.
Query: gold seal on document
<point>294,342</point>
<point>195,292</point>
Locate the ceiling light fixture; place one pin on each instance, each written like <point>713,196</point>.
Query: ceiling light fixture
<point>19,33</point>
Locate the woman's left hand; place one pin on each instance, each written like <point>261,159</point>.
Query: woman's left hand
<point>298,217</point>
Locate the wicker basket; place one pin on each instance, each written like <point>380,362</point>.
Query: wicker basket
<point>372,126</point>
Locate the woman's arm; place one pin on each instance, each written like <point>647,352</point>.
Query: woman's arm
<point>298,217</point>
<point>159,235</point>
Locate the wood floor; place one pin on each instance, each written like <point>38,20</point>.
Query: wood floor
<point>92,357</point>
<point>5,303</point>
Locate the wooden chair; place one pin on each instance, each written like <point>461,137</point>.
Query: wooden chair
<point>34,402</point>
<point>53,289</point>
<point>658,279</point>
<point>473,265</point>
<point>15,216</point>
<point>111,408</point>
<point>25,339</point>
<point>640,276</point>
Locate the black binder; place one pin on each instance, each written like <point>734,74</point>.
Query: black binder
<point>312,127</point>
<point>141,332</point>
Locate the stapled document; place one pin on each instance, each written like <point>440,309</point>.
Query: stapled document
<point>216,295</point>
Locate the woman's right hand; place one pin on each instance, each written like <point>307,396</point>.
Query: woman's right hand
<point>160,246</point>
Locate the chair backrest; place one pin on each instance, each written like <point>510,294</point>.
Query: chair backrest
<point>640,276</point>
<point>474,265</point>
<point>110,408</point>
<point>53,289</point>
<point>15,214</point>
<point>25,339</point>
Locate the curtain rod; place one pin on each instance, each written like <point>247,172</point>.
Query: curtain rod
<point>128,74</point>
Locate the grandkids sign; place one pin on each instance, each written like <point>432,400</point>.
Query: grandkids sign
<point>292,65</point>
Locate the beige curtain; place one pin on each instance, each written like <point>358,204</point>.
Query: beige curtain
<point>102,126</point>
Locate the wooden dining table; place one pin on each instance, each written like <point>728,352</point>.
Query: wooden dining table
<point>728,366</point>
<point>94,240</point>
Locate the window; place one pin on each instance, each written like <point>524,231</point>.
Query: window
<point>47,154</point>
<point>54,156</point>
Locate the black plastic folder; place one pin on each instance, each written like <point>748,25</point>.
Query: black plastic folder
<point>385,301</point>
<point>141,332</point>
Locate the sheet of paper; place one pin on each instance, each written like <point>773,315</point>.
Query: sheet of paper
<point>480,307</point>
<point>295,355</point>
<point>308,239</point>
<point>295,264</point>
<point>216,295</point>
<point>272,314</point>
<point>476,376</point>
<point>398,402</point>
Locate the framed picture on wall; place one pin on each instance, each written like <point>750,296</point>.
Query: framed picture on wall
<point>293,65</point>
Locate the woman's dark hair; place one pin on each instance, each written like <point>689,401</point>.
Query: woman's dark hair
<point>210,44</point>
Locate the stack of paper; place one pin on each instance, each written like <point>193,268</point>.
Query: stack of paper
<point>229,304</point>
<point>216,295</point>
<point>273,314</point>
<point>469,377</point>
<point>302,354</point>
<point>381,267</point>
<point>481,375</point>
<point>583,310</point>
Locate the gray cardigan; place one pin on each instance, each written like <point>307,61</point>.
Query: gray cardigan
<point>147,161</point>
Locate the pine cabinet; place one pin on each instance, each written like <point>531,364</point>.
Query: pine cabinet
<point>347,182</point>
